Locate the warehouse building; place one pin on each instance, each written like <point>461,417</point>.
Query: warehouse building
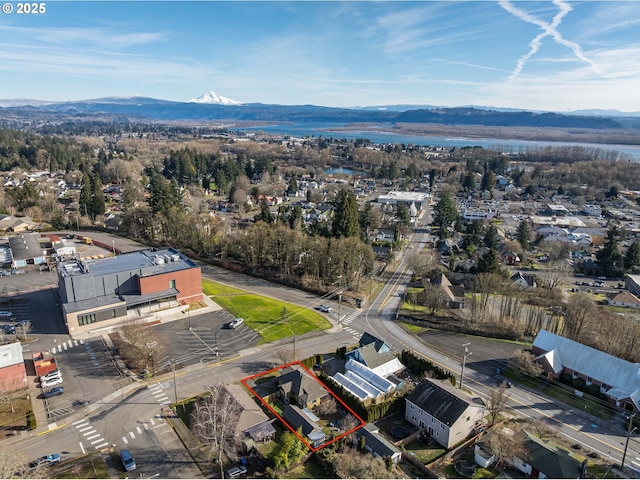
<point>105,292</point>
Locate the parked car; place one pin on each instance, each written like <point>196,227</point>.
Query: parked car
<point>235,323</point>
<point>54,392</point>
<point>8,329</point>
<point>324,308</point>
<point>52,382</point>
<point>4,313</point>
<point>127,460</point>
<point>46,460</point>
<point>235,472</point>
<point>15,271</point>
<point>51,375</point>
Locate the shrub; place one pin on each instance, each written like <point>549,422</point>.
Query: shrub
<point>579,383</point>
<point>31,420</point>
<point>593,390</point>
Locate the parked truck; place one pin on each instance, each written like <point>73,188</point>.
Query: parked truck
<point>44,363</point>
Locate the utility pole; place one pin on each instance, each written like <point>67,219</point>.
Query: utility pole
<point>464,360</point>
<point>175,386</point>
<point>626,445</point>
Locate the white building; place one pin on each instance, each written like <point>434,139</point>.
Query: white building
<point>593,210</point>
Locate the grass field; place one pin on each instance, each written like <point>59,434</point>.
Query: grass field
<point>410,327</point>
<point>272,319</point>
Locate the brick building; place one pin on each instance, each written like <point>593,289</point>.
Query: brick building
<point>97,293</point>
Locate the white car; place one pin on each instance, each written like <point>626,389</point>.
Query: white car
<point>51,383</point>
<point>51,375</point>
<point>5,314</point>
<point>324,308</point>
<point>235,323</point>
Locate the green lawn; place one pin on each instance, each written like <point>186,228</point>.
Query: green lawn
<point>309,469</point>
<point>272,319</point>
<point>567,396</point>
<point>410,327</point>
<point>423,452</point>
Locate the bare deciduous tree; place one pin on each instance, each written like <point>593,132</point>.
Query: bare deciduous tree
<point>140,346</point>
<point>525,363</point>
<point>353,464</point>
<point>328,406</point>
<point>578,310</point>
<point>433,298</point>
<point>214,419</point>
<point>11,390</point>
<point>505,446</point>
<point>496,404</point>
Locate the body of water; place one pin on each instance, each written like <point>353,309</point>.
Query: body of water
<point>380,136</point>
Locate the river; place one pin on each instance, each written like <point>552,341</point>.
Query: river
<point>631,152</point>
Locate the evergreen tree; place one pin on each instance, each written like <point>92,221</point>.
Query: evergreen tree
<point>292,188</point>
<point>97,197</point>
<point>445,215</point>
<point>488,180</point>
<point>489,262</point>
<point>491,238</point>
<point>85,194</point>
<point>402,213</point>
<point>632,258</point>
<point>469,181</point>
<point>610,259</point>
<point>523,234</point>
<point>366,220</point>
<point>345,215</point>
<point>295,218</point>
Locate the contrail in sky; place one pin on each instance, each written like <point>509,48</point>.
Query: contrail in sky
<point>549,29</point>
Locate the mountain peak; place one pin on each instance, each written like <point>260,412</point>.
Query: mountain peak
<point>212,97</point>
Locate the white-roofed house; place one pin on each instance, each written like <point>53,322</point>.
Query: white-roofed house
<point>618,379</point>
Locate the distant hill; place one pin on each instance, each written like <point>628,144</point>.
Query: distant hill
<point>211,107</point>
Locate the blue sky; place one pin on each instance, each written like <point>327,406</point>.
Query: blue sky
<point>552,55</point>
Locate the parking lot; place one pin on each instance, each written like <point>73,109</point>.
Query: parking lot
<point>89,374</point>
<point>203,338</point>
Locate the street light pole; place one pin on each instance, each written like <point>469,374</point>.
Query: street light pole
<point>175,386</point>
<point>464,360</point>
<point>626,445</point>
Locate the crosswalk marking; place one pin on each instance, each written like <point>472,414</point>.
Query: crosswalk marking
<point>139,430</point>
<point>124,439</point>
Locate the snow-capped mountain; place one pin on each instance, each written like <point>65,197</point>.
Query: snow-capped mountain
<point>214,98</point>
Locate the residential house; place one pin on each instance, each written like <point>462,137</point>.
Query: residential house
<point>524,280</point>
<point>618,379</point>
<point>592,210</point>
<point>13,374</point>
<point>446,414</point>
<point>304,421</point>
<point>9,223</point>
<point>376,354</point>
<point>454,294</point>
<point>252,422</point>
<point>511,258</point>
<point>300,388</point>
<point>376,444</point>
<point>536,458</point>
<point>623,299</point>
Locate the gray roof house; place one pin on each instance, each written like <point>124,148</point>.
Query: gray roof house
<point>540,458</point>
<point>300,388</point>
<point>303,420</point>
<point>445,413</point>
<point>376,444</point>
<point>617,378</point>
